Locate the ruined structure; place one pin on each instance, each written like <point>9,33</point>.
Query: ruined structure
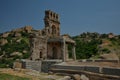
<point>48,43</point>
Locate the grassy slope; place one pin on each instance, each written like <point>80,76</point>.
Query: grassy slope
<point>14,46</point>
<point>4,76</point>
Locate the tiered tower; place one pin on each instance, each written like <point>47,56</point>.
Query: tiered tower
<point>52,24</point>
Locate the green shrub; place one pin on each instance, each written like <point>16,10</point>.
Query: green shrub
<point>105,50</point>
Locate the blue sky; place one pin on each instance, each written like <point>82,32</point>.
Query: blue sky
<point>76,16</point>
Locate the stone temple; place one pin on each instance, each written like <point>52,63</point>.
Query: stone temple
<point>48,44</point>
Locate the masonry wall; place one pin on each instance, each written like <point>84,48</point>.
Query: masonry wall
<point>34,65</point>
<point>58,52</point>
<point>46,64</point>
<point>41,66</point>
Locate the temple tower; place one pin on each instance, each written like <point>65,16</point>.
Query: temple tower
<point>52,24</point>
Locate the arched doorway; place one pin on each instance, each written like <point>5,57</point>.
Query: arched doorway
<point>54,54</point>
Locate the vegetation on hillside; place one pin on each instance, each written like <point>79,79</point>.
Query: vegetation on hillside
<point>15,45</point>
<point>92,45</point>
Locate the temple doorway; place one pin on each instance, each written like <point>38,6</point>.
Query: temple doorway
<point>54,50</point>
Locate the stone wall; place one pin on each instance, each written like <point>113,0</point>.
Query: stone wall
<point>34,65</point>
<point>41,66</point>
<point>46,64</point>
<point>111,71</point>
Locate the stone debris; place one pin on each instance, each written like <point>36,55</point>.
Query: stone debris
<point>50,77</point>
<point>16,53</point>
<point>3,42</point>
<point>65,78</point>
<point>76,77</point>
<point>17,34</point>
<point>4,35</point>
<point>84,77</point>
<point>28,28</point>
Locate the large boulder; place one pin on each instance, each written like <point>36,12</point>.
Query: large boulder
<point>3,42</point>
<point>4,35</point>
<point>65,78</point>
<point>84,77</point>
<point>76,77</point>
<point>28,29</point>
<point>17,34</point>
<point>16,53</point>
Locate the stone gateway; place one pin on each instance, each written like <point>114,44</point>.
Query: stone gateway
<point>48,43</point>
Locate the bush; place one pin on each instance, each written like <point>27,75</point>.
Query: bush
<point>105,50</point>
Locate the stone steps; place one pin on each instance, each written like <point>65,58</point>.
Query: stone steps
<point>94,69</point>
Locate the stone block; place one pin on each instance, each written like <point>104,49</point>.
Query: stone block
<point>111,71</point>
<point>92,69</point>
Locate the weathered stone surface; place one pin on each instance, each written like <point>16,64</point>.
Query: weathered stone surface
<point>16,53</point>
<point>65,78</point>
<point>3,42</point>
<point>92,69</point>
<point>17,65</point>
<point>28,29</point>
<point>50,77</point>
<point>46,64</point>
<point>24,51</point>
<point>84,77</point>
<point>34,65</point>
<point>18,41</point>
<point>111,71</point>
<point>76,77</point>
<point>4,35</point>
<point>47,43</point>
<point>17,34</point>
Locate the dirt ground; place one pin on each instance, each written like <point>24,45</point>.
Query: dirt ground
<point>33,75</point>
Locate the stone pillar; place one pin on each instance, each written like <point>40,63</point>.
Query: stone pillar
<point>66,52</point>
<point>73,52</point>
<point>63,50</point>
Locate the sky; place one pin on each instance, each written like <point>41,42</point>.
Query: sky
<point>76,16</point>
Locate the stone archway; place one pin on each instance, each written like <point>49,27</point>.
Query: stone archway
<point>54,54</point>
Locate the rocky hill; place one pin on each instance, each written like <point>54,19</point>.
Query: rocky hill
<point>15,45</point>
<point>98,46</point>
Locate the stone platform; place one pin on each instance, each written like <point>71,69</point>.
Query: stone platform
<point>103,70</point>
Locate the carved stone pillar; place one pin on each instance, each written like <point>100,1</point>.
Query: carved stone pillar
<point>63,50</point>
<point>73,52</point>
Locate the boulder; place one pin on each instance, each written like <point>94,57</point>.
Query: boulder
<point>18,41</point>
<point>50,77</point>
<point>65,78</point>
<point>4,35</point>
<point>3,42</point>
<point>16,53</point>
<point>76,77</point>
<point>24,51</point>
<point>84,77</point>
<point>28,29</point>
<point>17,34</point>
